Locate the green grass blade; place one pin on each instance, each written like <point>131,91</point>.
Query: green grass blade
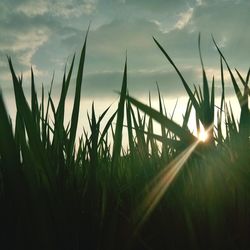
<point>8,150</point>
<point>34,101</point>
<point>212,103</point>
<point>188,90</point>
<point>77,98</point>
<point>130,131</point>
<point>119,121</point>
<point>107,127</point>
<point>25,112</point>
<point>186,115</point>
<point>241,78</point>
<point>235,85</point>
<point>163,120</point>
<point>207,117</point>
<point>175,144</point>
<point>61,105</point>
<point>248,75</point>
<point>222,85</point>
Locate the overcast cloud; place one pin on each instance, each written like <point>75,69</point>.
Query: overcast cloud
<point>45,34</point>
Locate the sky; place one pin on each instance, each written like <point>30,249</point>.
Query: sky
<point>45,34</point>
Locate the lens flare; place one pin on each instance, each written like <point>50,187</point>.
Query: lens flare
<point>203,135</point>
<point>160,185</point>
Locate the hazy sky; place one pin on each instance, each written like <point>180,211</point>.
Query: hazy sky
<point>46,33</point>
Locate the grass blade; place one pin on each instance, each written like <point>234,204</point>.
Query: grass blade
<point>235,85</point>
<point>77,98</point>
<point>119,122</point>
<point>190,94</point>
<point>163,120</point>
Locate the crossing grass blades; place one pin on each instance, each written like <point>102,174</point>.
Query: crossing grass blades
<point>161,191</point>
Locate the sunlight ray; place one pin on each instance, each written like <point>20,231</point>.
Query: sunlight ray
<point>161,183</point>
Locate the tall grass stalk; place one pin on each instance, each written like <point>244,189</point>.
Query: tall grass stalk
<point>62,192</point>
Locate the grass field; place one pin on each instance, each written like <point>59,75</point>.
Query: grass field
<point>167,191</point>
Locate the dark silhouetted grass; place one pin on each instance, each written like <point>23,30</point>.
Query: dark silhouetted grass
<point>161,191</point>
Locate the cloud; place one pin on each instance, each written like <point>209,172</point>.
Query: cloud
<point>199,2</point>
<point>89,6</point>
<point>226,20</point>
<point>28,27</point>
<point>140,82</point>
<point>45,33</point>
<point>22,40</point>
<point>161,6</point>
<point>184,19</point>
<point>60,8</point>
<point>37,8</point>
<point>108,44</point>
<point>107,84</point>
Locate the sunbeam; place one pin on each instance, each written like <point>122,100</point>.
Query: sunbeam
<point>160,185</point>
<point>203,135</point>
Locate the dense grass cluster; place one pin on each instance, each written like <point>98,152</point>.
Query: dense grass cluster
<point>167,191</point>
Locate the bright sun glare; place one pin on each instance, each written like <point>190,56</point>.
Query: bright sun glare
<point>203,135</point>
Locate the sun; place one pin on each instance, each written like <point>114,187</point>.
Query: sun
<point>203,135</point>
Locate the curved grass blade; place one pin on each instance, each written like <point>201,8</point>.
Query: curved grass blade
<point>130,132</point>
<point>164,121</point>
<point>212,103</point>
<point>60,109</point>
<point>206,106</point>
<point>191,95</point>
<point>34,102</point>
<point>244,127</point>
<point>235,85</point>
<point>25,112</point>
<point>76,105</point>
<point>222,85</point>
<point>186,116</point>
<point>119,122</point>
<point>107,127</point>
